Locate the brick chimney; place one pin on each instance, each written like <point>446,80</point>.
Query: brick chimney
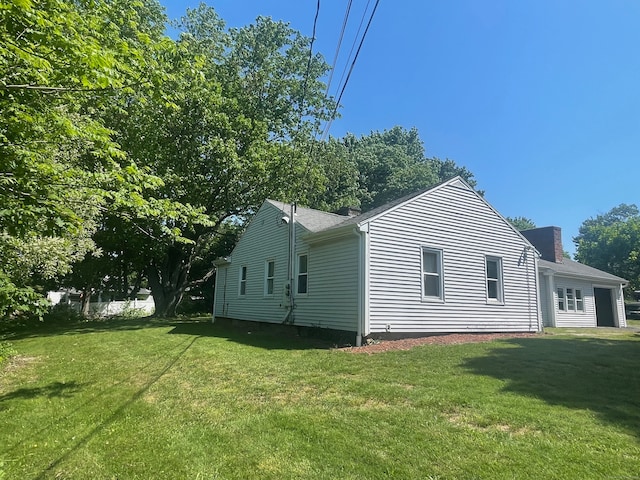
<point>548,241</point>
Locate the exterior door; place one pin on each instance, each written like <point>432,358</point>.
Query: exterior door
<point>604,307</point>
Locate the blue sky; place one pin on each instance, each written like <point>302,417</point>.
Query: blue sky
<point>540,100</point>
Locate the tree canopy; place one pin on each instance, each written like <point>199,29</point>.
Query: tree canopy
<point>129,157</point>
<point>521,223</point>
<point>611,242</point>
<point>61,64</point>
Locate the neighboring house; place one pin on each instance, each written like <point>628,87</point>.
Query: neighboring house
<point>438,261</point>
<point>573,294</point>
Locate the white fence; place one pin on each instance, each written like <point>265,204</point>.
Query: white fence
<point>139,308</point>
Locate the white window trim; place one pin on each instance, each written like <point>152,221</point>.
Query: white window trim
<point>297,290</point>
<point>499,280</point>
<point>241,281</point>
<point>565,300</point>
<point>440,264</point>
<point>267,277</point>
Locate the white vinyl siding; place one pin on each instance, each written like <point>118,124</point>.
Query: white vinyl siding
<point>251,251</point>
<point>466,228</point>
<point>332,268</point>
<point>332,298</point>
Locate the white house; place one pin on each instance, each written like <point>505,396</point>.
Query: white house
<point>573,294</point>
<point>440,260</point>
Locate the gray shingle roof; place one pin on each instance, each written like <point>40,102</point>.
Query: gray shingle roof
<point>312,220</point>
<point>576,269</point>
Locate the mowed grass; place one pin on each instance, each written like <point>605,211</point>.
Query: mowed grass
<point>189,400</point>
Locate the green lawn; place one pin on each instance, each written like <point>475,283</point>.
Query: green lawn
<point>150,400</point>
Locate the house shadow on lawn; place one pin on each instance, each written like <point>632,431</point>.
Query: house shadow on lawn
<point>43,329</point>
<point>262,335</point>
<point>599,375</point>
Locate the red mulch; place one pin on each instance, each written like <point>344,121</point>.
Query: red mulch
<point>450,339</point>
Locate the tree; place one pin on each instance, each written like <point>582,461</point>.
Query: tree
<point>521,223</point>
<point>61,64</point>
<point>377,168</point>
<point>223,132</point>
<point>611,242</point>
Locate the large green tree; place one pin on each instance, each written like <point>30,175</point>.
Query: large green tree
<point>371,170</point>
<point>611,242</point>
<point>63,63</point>
<point>226,131</point>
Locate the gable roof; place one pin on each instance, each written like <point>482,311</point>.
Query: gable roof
<point>322,225</point>
<point>312,220</point>
<point>571,268</point>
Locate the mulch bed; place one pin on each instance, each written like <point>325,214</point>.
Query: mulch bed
<point>450,339</point>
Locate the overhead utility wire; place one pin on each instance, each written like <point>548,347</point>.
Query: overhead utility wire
<point>344,86</point>
<point>353,45</point>
<point>335,57</point>
<point>306,76</point>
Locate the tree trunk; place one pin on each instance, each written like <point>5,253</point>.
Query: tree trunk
<point>169,281</point>
<point>86,303</point>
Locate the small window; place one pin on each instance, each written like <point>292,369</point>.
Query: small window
<point>571,302</point>
<point>494,278</point>
<point>561,301</point>
<point>579,301</point>
<point>432,285</point>
<point>303,274</point>
<point>242,290</point>
<point>269,274</point>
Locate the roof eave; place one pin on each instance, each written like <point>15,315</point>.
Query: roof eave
<point>617,281</point>
<point>330,234</point>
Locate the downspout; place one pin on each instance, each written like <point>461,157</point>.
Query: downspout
<point>537,279</point>
<point>363,282</point>
<point>551,306</point>
<point>288,316</point>
<point>215,296</point>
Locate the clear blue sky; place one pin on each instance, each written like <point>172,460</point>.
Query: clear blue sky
<point>539,99</point>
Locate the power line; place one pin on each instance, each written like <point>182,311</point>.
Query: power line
<point>307,73</point>
<point>335,57</point>
<point>355,41</point>
<point>344,86</point>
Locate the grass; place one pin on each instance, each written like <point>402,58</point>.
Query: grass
<point>145,399</point>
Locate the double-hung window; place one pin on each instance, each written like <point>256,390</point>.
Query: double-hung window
<point>570,300</point>
<point>242,284</point>
<point>269,276</point>
<point>302,276</point>
<point>432,278</point>
<point>562,303</point>
<point>494,278</point>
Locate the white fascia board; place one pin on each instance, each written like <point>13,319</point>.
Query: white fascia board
<point>594,279</point>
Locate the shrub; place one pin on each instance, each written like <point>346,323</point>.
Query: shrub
<point>6,351</point>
